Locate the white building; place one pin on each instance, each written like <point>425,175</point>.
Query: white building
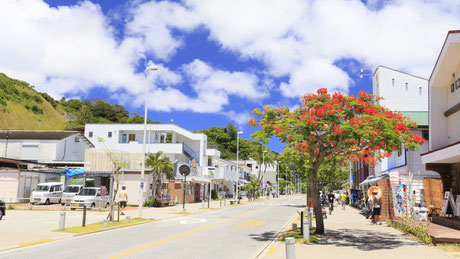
<point>176,143</point>
<point>45,146</point>
<point>444,106</point>
<point>268,174</point>
<point>408,94</point>
<point>29,157</point>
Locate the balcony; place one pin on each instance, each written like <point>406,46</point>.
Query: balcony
<point>167,148</point>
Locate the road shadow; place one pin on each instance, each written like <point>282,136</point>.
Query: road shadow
<point>293,206</point>
<point>264,237</point>
<point>364,240</point>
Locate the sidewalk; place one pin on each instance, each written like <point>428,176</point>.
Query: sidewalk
<point>20,227</point>
<point>350,235</point>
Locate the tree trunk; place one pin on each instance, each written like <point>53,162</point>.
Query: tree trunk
<point>316,203</point>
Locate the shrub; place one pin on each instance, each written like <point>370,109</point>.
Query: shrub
<point>10,207</point>
<point>214,194</point>
<point>25,95</point>
<point>405,224</point>
<point>36,110</point>
<point>37,99</point>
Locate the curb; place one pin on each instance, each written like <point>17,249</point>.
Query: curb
<point>266,247</point>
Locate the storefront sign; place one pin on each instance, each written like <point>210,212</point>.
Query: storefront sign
<point>399,200</point>
<point>194,168</point>
<point>376,188</point>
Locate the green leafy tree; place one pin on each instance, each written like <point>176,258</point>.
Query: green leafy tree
<point>231,131</point>
<point>160,166</point>
<point>328,126</point>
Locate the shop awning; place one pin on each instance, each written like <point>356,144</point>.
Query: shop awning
<point>449,154</point>
<point>372,179</point>
<point>198,179</point>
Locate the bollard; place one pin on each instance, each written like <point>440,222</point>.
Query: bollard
<point>306,229</point>
<point>83,224</point>
<point>118,213</point>
<point>62,221</point>
<point>225,201</point>
<point>128,218</point>
<point>202,204</point>
<point>221,203</point>
<point>294,226</point>
<point>301,222</point>
<point>105,223</point>
<point>290,248</point>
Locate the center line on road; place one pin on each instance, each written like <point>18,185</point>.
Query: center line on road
<point>187,233</point>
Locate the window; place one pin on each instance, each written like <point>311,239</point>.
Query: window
<point>452,88</point>
<point>420,90</point>
<point>393,82</point>
<point>132,137</point>
<point>52,189</point>
<point>90,134</point>
<point>407,86</point>
<point>399,153</point>
<point>209,161</point>
<point>109,134</point>
<point>425,134</point>
<point>77,139</point>
<point>124,138</point>
<point>457,84</point>
<point>177,186</point>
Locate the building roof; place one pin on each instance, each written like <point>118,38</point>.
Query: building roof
<point>389,68</point>
<point>443,46</point>
<point>35,134</point>
<point>419,117</point>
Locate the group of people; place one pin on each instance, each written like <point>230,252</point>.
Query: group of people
<point>328,200</point>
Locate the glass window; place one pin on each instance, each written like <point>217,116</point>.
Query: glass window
<point>90,134</point>
<point>109,134</point>
<point>407,86</point>
<point>132,137</point>
<point>52,189</point>
<point>124,138</point>
<point>73,189</point>
<point>87,192</point>
<point>420,90</point>
<point>425,134</point>
<point>393,82</point>
<point>42,188</point>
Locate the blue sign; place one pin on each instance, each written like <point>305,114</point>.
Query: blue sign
<point>234,183</point>
<point>142,185</point>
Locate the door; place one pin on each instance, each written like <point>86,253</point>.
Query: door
<point>197,192</point>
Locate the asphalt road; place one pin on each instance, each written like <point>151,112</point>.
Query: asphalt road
<point>236,232</point>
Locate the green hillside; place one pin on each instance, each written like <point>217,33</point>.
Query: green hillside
<point>23,108</point>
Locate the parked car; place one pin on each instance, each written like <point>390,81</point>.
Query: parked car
<point>91,198</point>
<point>47,193</point>
<point>2,209</point>
<point>69,192</point>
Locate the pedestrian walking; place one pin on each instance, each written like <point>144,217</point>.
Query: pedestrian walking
<point>330,199</point>
<point>122,199</point>
<point>376,206</point>
<point>337,197</point>
<point>343,198</point>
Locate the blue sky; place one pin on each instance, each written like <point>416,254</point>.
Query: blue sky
<point>218,59</point>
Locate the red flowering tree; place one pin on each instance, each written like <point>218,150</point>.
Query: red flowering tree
<point>345,127</point>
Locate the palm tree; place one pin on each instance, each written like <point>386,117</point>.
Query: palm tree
<point>160,166</point>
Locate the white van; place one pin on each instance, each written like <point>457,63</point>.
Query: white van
<point>46,193</point>
<point>69,192</point>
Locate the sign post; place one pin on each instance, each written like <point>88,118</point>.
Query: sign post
<point>184,170</point>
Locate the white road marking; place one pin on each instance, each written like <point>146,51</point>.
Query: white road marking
<point>192,221</point>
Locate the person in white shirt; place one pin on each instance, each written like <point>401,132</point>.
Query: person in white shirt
<point>123,199</point>
<point>376,205</point>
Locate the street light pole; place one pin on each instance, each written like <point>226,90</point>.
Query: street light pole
<point>263,177</point>
<point>141,187</point>
<point>277,180</point>
<point>237,163</point>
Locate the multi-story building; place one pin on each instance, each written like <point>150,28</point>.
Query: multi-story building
<point>443,155</point>
<point>407,94</point>
<point>178,144</point>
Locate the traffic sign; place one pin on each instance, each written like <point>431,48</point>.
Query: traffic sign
<point>184,170</point>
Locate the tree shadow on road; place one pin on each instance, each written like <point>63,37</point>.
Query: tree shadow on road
<point>265,236</point>
<point>365,240</point>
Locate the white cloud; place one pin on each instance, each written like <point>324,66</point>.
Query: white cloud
<point>205,78</point>
<point>292,37</point>
<point>240,118</point>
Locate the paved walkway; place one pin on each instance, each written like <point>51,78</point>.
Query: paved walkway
<point>350,235</point>
<point>24,226</point>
